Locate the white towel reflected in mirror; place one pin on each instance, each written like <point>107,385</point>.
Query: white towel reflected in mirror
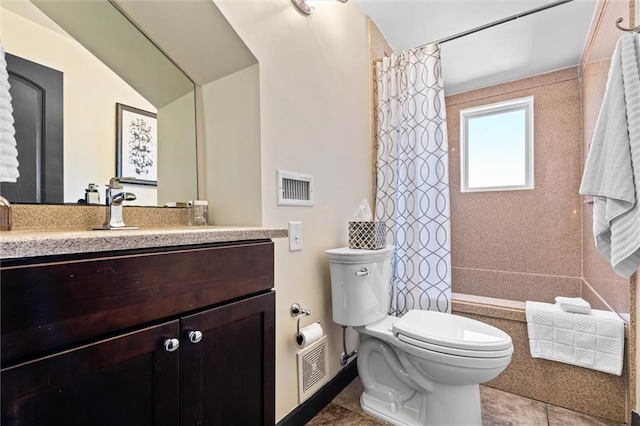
<point>8,147</point>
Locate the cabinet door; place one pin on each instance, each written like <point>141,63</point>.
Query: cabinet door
<point>130,379</point>
<point>228,376</point>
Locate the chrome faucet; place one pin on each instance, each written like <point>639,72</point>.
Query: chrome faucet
<point>114,198</point>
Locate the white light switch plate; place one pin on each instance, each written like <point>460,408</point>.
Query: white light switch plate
<point>295,236</point>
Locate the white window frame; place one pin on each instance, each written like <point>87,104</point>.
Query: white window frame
<point>525,104</point>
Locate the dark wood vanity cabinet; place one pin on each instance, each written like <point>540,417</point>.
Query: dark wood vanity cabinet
<point>125,380</point>
<point>171,337</point>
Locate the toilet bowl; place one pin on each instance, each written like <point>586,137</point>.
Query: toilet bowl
<point>444,376</point>
<point>423,368</point>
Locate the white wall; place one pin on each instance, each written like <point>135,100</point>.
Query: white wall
<point>91,91</point>
<point>232,148</point>
<point>314,109</point>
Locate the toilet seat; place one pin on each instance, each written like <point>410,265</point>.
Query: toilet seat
<point>452,334</point>
<point>453,351</point>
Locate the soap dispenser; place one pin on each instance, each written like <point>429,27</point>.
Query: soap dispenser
<point>91,195</point>
<point>5,214</point>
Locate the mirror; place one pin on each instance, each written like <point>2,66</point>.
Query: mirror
<point>105,60</point>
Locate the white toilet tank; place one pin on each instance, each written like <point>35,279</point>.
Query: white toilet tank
<point>360,284</point>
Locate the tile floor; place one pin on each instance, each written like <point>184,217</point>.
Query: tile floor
<point>498,409</point>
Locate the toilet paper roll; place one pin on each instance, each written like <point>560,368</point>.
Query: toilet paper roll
<point>308,335</point>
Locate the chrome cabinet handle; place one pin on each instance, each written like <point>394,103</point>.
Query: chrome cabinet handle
<point>195,336</point>
<point>362,272</point>
<point>171,345</point>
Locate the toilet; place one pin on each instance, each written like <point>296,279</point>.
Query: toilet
<point>423,368</point>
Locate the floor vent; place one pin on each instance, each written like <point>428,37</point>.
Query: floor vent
<point>312,369</point>
<point>294,189</point>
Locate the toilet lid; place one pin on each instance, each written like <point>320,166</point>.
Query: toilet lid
<point>451,331</point>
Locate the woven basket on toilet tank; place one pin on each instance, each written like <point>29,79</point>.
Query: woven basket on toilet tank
<point>367,235</point>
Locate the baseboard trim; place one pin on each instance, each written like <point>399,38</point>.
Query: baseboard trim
<point>316,402</point>
<point>635,418</point>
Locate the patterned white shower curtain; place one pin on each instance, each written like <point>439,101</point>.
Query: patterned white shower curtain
<point>412,188</point>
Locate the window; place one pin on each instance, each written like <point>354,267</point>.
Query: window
<point>496,146</point>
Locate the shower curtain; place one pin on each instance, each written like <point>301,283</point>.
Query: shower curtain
<point>412,179</point>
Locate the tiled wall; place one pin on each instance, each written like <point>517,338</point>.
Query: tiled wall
<point>523,244</point>
<point>538,244</point>
<point>378,48</point>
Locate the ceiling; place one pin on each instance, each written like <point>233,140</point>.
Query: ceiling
<point>545,41</point>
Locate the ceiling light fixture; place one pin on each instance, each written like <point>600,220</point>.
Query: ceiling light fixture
<point>306,8</point>
<point>303,7</point>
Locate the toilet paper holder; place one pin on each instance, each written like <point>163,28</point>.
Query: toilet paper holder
<point>297,311</point>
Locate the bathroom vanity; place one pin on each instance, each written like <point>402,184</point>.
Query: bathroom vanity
<point>171,335</point>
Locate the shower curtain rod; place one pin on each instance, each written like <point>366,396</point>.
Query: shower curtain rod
<point>501,21</point>
<point>495,23</point>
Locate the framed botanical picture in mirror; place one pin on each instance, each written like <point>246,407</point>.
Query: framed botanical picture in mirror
<point>136,145</point>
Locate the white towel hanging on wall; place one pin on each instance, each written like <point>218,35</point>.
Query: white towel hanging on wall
<point>609,175</point>
<point>8,149</point>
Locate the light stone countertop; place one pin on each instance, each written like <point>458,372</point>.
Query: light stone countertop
<point>24,243</point>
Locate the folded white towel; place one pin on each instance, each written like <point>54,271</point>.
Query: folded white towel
<point>8,152</point>
<point>609,174</point>
<point>594,340</point>
<point>574,304</point>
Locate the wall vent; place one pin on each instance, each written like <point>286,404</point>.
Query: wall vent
<point>294,189</point>
<point>313,371</point>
